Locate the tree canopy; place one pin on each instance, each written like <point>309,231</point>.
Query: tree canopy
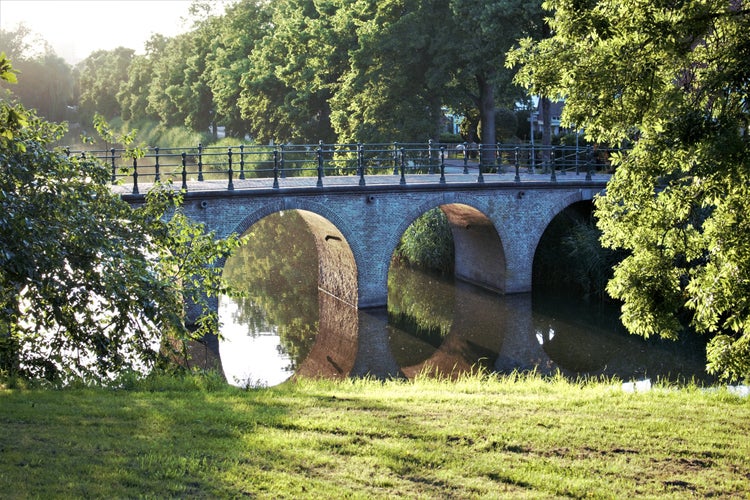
<point>309,70</point>
<point>670,79</point>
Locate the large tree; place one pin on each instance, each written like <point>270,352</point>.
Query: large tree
<point>670,79</point>
<point>481,33</point>
<point>134,92</point>
<point>394,85</point>
<point>294,72</point>
<point>90,287</point>
<point>47,81</point>
<point>241,29</point>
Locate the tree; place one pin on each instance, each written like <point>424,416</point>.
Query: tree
<point>294,72</point>
<point>481,35</point>
<point>47,81</point>
<point>89,286</point>
<point>394,86</point>
<point>100,76</point>
<point>670,79</point>
<point>242,28</point>
<point>133,93</point>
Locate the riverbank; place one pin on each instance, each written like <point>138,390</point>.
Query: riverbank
<point>515,437</point>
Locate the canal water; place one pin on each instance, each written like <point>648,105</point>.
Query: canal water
<point>283,326</point>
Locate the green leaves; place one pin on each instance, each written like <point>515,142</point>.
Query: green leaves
<point>90,286</point>
<point>667,78</point>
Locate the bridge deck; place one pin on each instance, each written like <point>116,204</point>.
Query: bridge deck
<point>508,178</point>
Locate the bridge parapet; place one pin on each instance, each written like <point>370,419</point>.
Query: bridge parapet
<point>275,165</point>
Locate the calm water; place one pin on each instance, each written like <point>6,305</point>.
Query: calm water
<point>284,326</point>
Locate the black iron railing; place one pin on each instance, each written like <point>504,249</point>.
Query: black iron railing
<point>277,162</point>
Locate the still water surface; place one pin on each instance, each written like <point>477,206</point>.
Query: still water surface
<point>284,326</point>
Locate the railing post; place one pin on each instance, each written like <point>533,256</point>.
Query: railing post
<point>361,164</point>
<point>320,166</point>
<point>498,158</point>
<point>553,177</point>
<point>480,179</point>
<point>157,177</point>
<point>200,161</point>
<point>590,163</point>
<point>322,158</point>
<point>442,164</point>
<point>276,169</point>
<point>114,169</point>
<point>403,167</point>
<point>516,161</point>
<point>135,176</point>
<point>242,161</point>
<point>466,157</point>
<point>184,170</point>
<point>395,158</point>
<point>230,186</point>
<point>282,170</point>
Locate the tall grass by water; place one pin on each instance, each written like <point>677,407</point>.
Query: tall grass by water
<point>480,436</point>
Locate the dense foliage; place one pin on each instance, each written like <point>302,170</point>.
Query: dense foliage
<point>672,79</point>
<point>89,286</point>
<point>309,70</point>
<point>428,243</point>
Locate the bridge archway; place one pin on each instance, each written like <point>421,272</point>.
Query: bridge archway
<point>337,266</point>
<point>554,266</point>
<point>480,257</point>
<point>479,252</point>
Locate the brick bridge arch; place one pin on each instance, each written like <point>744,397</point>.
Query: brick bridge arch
<point>496,227</point>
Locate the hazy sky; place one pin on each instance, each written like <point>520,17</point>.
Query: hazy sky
<point>75,28</point>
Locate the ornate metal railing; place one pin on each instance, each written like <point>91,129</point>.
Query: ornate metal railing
<point>277,162</point>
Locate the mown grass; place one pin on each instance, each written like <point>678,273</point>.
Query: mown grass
<point>480,436</point>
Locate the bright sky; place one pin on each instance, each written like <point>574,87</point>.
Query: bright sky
<point>75,28</point>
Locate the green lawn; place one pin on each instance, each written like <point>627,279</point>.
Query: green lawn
<point>514,437</point>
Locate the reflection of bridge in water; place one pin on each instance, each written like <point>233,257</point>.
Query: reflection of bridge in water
<point>500,334</point>
<point>355,343</point>
<point>352,343</point>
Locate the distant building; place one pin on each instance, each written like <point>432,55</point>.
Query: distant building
<point>555,113</point>
<point>451,122</point>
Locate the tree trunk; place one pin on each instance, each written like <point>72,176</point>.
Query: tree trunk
<point>487,111</point>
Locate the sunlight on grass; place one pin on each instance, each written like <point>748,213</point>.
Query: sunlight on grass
<point>520,435</point>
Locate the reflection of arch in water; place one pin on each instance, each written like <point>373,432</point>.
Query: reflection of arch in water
<point>349,343</point>
<point>335,348</point>
<point>487,332</point>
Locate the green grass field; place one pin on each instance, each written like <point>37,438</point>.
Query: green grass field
<point>480,436</point>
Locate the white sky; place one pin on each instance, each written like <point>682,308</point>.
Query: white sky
<point>75,28</point>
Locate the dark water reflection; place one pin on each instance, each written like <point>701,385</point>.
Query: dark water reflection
<point>285,327</point>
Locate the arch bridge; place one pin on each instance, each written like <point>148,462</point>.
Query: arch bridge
<point>358,205</point>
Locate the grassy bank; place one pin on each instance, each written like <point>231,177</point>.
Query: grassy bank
<point>518,437</point>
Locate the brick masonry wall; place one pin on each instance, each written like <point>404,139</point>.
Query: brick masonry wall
<point>365,225</point>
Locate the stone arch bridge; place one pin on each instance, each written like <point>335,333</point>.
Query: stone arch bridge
<point>496,220</point>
